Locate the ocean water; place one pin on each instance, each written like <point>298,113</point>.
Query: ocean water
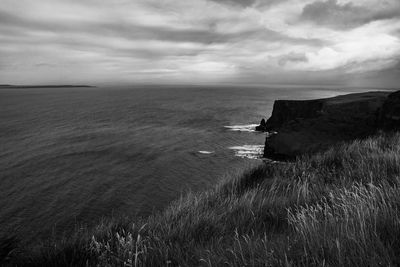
<point>74,155</point>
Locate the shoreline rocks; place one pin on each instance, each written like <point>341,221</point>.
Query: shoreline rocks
<point>262,127</point>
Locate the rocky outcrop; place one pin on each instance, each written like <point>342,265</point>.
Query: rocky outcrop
<point>262,127</point>
<point>305,127</point>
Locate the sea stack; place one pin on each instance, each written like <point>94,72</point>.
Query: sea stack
<point>262,127</point>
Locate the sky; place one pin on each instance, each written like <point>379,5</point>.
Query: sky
<point>302,42</point>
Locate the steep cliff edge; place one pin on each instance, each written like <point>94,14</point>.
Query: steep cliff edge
<point>310,126</point>
<point>287,110</point>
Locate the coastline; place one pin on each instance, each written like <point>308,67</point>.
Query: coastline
<point>274,214</point>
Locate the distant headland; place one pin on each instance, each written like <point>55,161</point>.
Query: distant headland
<point>9,86</point>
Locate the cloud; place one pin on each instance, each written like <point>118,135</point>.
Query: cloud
<point>292,57</point>
<point>249,3</point>
<point>361,53</point>
<point>347,14</point>
<point>196,40</point>
<point>242,3</point>
<point>128,30</point>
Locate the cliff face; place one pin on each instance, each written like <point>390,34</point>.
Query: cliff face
<point>287,110</point>
<point>310,126</point>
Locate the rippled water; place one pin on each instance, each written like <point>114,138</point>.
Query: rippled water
<point>74,155</point>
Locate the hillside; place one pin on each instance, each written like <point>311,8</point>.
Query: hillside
<point>337,208</point>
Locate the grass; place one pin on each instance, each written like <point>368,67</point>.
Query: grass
<point>337,208</point>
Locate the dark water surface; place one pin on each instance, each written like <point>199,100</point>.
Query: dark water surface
<point>78,154</point>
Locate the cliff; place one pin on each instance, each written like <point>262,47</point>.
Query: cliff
<point>287,110</point>
<point>309,126</point>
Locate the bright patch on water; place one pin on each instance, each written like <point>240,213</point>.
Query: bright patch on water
<point>248,151</point>
<point>206,152</point>
<point>243,128</point>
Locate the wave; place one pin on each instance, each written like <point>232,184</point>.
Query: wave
<point>206,152</point>
<point>242,128</point>
<point>248,151</point>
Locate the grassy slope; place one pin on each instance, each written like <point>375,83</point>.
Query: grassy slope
<point>338,208</point>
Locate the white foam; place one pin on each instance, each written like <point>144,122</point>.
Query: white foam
<point>248,151</point>
<point>206,152</point>
<point>242,128</point>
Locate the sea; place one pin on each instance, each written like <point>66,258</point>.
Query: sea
<point>70,157</point>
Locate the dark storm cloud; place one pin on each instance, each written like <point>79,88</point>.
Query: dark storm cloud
<point>348,15</point>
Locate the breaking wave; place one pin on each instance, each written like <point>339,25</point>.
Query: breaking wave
<point>206,152</point>
<point>248,151</point>
<point>242,128</point>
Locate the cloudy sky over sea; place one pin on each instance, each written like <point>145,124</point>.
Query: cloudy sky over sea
<point>349,42</point>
